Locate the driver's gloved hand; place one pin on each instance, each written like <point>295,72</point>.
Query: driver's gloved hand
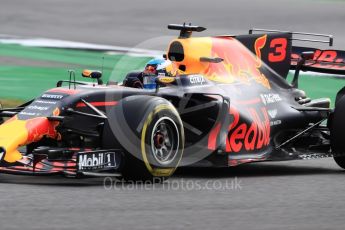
<point>133,80</point>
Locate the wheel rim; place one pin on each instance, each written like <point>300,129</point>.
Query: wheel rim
<point>165,141</point>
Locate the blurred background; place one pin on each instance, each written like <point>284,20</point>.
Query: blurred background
<point>41,39</point>
<point>129,22</point>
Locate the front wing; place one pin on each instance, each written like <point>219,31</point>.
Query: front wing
<point>80,163</point>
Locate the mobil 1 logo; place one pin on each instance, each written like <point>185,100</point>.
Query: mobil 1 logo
<point>100,160</point>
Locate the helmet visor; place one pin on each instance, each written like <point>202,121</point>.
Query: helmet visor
<point>150,69</point>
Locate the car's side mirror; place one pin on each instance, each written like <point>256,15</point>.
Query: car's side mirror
<point>94,74</point>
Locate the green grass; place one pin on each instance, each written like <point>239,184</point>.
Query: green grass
<point>317,86</point>
<point>21,83</point>
<point>10,103</point>
<point>26,82</point>
<point>92,59</point>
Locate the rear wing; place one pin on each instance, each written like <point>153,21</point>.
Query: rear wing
<point>324,61</point>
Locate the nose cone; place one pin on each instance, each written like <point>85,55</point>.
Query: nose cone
<point>15,133</point>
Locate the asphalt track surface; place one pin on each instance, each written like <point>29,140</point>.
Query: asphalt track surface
<point>287,195</point>
<point>129,22</point>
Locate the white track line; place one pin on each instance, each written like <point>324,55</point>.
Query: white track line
<point>316,74</point>
<point>55,43</point>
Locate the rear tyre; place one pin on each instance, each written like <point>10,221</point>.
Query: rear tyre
<point>337,127</point>
<point>156,137</point>
<point>340,160</point>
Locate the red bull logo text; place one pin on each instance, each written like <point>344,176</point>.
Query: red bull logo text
<point>249,137</point>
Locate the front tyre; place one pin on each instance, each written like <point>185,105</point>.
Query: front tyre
<point>162,141</point>
<point>157,139</point>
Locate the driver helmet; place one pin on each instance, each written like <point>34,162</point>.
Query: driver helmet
<point>158,66</point>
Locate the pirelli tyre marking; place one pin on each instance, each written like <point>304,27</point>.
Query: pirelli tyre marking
<point>154,170</point>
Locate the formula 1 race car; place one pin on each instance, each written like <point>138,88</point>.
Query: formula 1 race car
<point>229,104</point>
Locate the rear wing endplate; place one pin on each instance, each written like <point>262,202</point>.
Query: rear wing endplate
<point>324,61</point>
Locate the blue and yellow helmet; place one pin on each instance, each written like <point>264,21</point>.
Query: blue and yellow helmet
<point>158,66</point>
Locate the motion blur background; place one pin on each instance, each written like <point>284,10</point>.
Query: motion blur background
<point>129,22</point>
<point>138,24</point>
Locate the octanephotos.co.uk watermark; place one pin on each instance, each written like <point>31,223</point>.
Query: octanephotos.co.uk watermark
<point>230,184</point>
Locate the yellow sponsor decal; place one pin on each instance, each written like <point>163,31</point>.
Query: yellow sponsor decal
<point>166,80</point>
